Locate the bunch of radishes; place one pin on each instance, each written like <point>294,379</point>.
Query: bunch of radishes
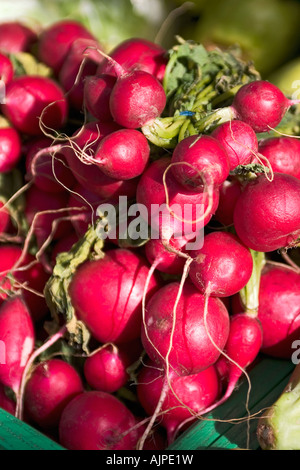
<point>135,340</point>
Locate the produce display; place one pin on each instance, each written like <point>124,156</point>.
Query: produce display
<point>149,224</point>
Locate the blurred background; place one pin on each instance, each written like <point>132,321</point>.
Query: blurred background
<point>267,31</point>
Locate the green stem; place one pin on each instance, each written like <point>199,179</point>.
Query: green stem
<point>250,293</point>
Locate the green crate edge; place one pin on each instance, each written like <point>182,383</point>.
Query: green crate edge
<point>267,378</point>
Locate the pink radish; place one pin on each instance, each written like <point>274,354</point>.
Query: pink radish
<point>137,54</point>
<point>187,396</point>
<point>222,267</point>
<point>137,98</point>
<point>52,384</point>
<point>79,155</point>
<point>283,154</point>
<point>6,69</point>
<point>96,420</point>
<point>16,37</point>
<point>239,140</point>
<point>164,254</point>
<point>97,90</point>
<point>113,312</point>
<point>30,97</point>
<point>267,213</point>
<point>17,335</point>
<point>106,368</point>
<point>10,149</point>
<point>23,273</point>
<point>123,154</point>
<point>81,61</point>
<point>260,104</point>
<point>55,41</point>
<point>200,160</point>
<point>49,170</point>
<point>192,332</point>
<point>172,209</point>
<point>229,192</point>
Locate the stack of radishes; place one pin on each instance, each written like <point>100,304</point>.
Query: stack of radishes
<point>167,326</point>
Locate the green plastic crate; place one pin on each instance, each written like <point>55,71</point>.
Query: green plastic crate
<point>268,379</point>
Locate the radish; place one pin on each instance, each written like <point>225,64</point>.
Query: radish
<point>191,334</point>
<point>49,170</point>
<point>55,41</point>
<point>79,155</point>
<point>283,154</point>
<point>107,295</point>
<point>267,213</point>
<point>96,420</point>
<point>106,368</point>
<point>164,254</point>
<point>7,403</point>
<point>81,61</point>
<point>52,384</point>
<point>31,98</point>
<point>172,209</point>
<point>229,191</point>
<point>10,148</point>
<point>137,98</point>
<point>222,267</point>
<point>17,334</point>
<point>96,92</point>
<point>137,54</point>
<point>200,160</point>
<point>16,37</point>
<point>123,154</point>
<point>239,140</point>
<point>260,104</point>
<point>187,396</point>
<point>20,271</point>
<point>6,69</point>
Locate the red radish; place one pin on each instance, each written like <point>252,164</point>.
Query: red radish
<point>7,403</point>
<point>239,140</point>
<point>55,41</point>
<point>81,61</point>
<point>30,97</point>
<point>4,218</point>
<point>6,69</point>
<point>97,90</point>
<point>137,98</point>
<point>164,253</point>
<point>260,104</point>
<point>10,149</point>
<point>96,420</point>
<point>80,154</point>
<point>46,214</point>
<point>200,160</point>
<point>279,309</point>
<point>29,277</point>
<point>222,267</point>
<point>52,384</point>
<point>107,295</point>
<point>137,54</point>
<point>183,212</point>
<point>267,213</point>
<point>242,347</point>
<point>48,169</point>
<point>187,396</point>
<point>17,334</point>
<point>200,340</point>
<point>229,191</point>
<point>16,37</point>
<point>123,154</point>
<point>283,154</point>
<point>106,368</point>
